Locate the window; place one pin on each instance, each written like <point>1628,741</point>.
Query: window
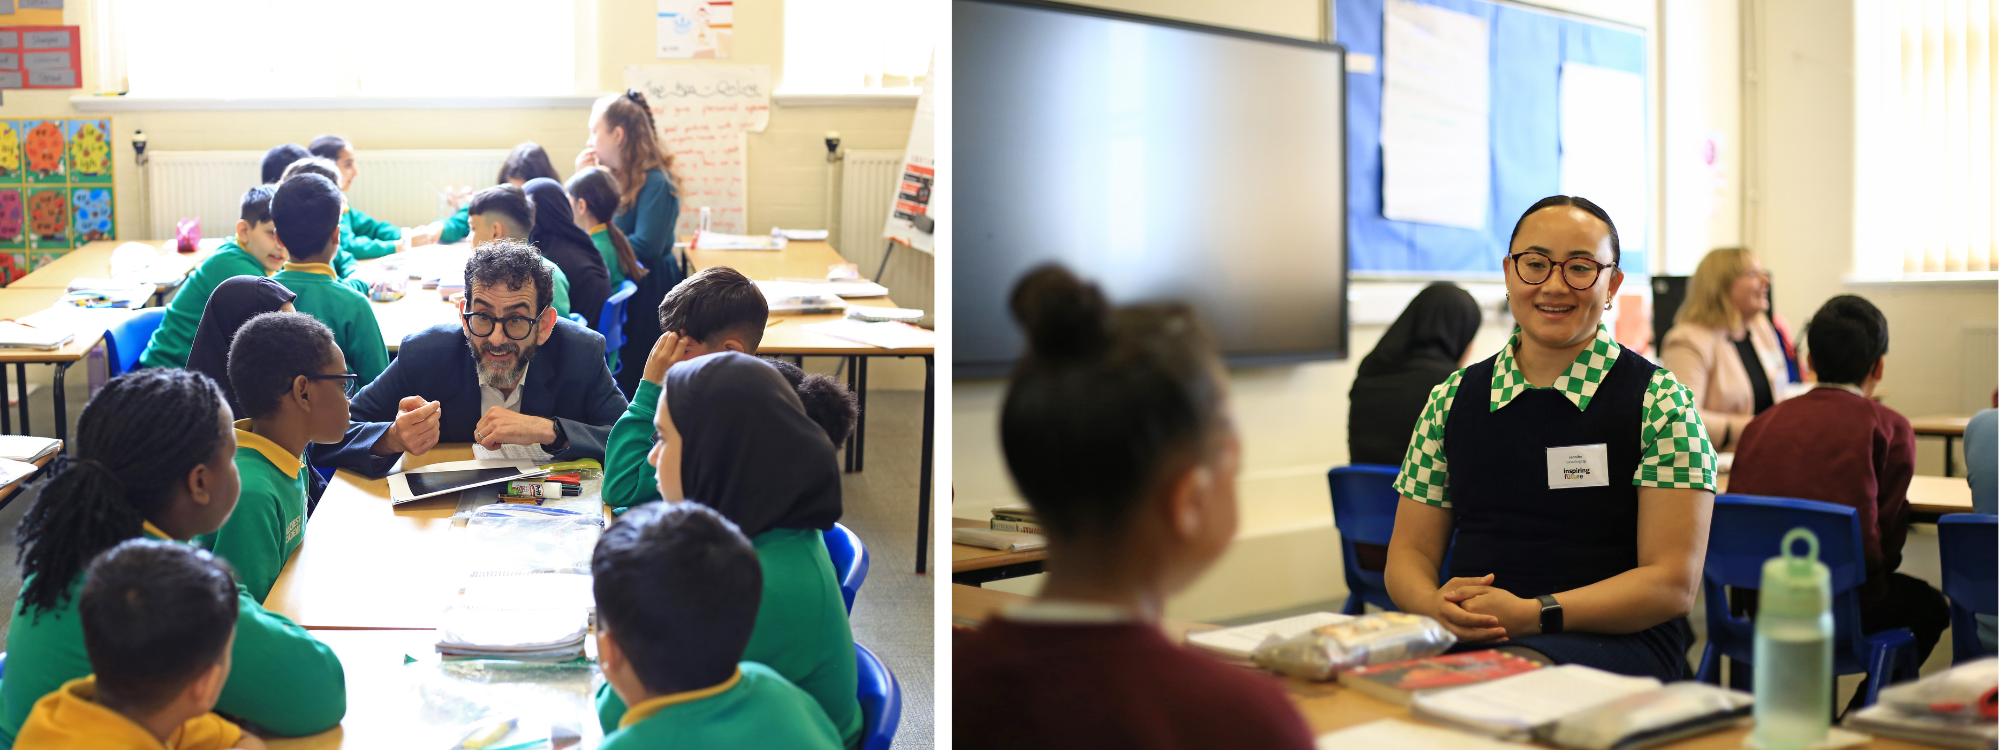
<point>1926,167</point>
<point>859,46</point>
<point>361,48</point>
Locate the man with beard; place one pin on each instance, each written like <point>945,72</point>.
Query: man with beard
<point>510,373</point>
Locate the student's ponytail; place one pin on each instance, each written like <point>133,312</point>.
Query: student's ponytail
<point>643,151</point>
<point>599,191</point>
<point>1105,402</point>
<point>135,442</point>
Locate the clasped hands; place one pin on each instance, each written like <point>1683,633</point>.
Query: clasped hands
<point>1473,610</point>
<point>415,430</point>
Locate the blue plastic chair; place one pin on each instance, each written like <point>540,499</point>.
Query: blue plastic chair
<point>1364,510</point>
<point>126,341</point>
<point>1744,533</point>
<point>850,561</point>
<point>1970,552</point>
<point>578,319</point>
<point>881,700</point>
<point>612,325</point>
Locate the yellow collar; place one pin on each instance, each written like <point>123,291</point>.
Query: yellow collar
<point>596,229</point>
<point>279,457</point>
<point>646,709</point>
<point>149,528</point>
<point>322,269</point>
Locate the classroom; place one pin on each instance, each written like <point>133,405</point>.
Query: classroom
<point>1287,257</point>
<point>436,266</point>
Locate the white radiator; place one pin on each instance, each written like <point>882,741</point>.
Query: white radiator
<point>867,187</point>
<point>403,187</point>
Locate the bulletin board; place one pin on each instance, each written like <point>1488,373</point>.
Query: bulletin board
<point>1527,50</point>
<point>56,190</point>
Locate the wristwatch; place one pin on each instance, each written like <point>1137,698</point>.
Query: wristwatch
<point>1552,614</point>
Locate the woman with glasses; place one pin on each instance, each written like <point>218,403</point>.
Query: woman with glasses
<point>1724,347</point>
<point>1569,479</point>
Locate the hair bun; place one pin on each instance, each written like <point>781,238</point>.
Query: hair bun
<point>1064,316</point>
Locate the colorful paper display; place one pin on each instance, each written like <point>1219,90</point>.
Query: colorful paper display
<point>57,190</point>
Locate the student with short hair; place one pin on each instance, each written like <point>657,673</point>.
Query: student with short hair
<point>293,385</point>
<point>158,619</point>
<point>344,264</point>
<point>526,162</point>
<point>716,310</point>
<point>625,140</point>
<point>278,158</point>
<point>154,456</point>
<point>306,209</point>
<point>677,589</point>
<point>363,236</point>
<point>595,193</point>
<point>505,212</point>
<point>1116,429</point>
<point>253,251</point>
<point>563,243</point>
<point>1836,444</point>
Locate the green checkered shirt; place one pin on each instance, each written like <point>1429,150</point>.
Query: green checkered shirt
<point>1677,454</point>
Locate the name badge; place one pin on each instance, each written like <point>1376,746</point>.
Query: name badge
<point>1579,466</point>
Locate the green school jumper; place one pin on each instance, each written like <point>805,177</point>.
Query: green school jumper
<point>281,678</point>
<point>801,630</point>
<point>270,517</point>
<point>755,708</point>
<point>601,237</point>
<point>347,312</point>
<point>458,226</point>
<point>175,336</point>
<point>629,479</point>
<point>367,237</point>
<point>559,292</point>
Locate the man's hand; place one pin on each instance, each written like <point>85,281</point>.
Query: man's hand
<point>502,427</point>
<point>1519,617</point>
<point>415,430</point>
<point>586,158</point>
<point>671,349</point>
<point>1468,626</point>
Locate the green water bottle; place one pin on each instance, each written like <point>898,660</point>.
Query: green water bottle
<point>1794,649</point>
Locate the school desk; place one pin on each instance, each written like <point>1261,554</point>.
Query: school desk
<point>93,261</point>
<point>789,338</point>
<point>1327,707</point>
<point>10,489</point>
<point>1948,426</point>
<point>19,303</point>
<point>973,566</point>
<point>382,691</point>
<point>1929,496</point>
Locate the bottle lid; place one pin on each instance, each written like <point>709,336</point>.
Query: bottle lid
<point>1796,585</point>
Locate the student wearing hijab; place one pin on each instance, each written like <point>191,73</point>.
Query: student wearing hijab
<point>564,243</point>
<point>734,437</point>
<point>1427,342</point>
<point>234,302</point>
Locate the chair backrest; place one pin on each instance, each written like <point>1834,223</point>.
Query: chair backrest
<point>881,700</point>
<point>1970,553</point>
<point>127,340</point>
<point>1364,502</point>
<point>1745,531</point>
<point>612,322</point>
<point>850,561</point>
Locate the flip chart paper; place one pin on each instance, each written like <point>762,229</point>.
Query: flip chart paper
<point>703,112</point>
<point>1436,158</point>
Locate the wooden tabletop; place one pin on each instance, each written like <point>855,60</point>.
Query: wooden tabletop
<point>966,557</point>
<point>93,261</point>
<point>1940,495</point>
<point>16,303</point>
<point>383,703</point>
<point>799,260</point>
<point>371,565</point>
<point>1327,707</point>
<point>1950,425</point>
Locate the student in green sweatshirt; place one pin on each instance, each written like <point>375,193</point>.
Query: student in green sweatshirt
<point>363,236</point>
<point>154,457</point>
<point>526,162</point>
<point>343,263</point>
<point>292,382</point>
<point>677,589</point>
<point>504,212</point>
<point>306,209</point>
<point>253,251</point>
<point>751,453</point>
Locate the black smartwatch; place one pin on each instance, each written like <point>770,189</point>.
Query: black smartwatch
<point>1552,614</point>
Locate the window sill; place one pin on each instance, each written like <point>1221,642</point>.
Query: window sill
<point>1963,279</point>
<point>878,98</point>
<point>87,103</point>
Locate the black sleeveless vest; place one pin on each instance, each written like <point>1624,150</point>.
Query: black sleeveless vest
<point>1508,522</point>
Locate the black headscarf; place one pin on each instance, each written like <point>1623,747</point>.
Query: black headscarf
<point>564,243</point>
<point>748,450</point>
<point>1419,351</point>
<point>234,302</point>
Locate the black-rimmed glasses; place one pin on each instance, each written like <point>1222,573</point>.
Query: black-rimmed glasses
<point>516,327</point>
<point>347,381</point>
<point>1579,273</point>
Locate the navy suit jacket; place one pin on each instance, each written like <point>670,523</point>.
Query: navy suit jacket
<point>567,382</point>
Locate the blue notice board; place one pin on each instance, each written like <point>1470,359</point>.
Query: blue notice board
<point>1528,49</point>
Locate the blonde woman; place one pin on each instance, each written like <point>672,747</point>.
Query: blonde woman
<point>1723,346</point>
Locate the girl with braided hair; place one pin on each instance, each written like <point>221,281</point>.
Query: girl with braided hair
<point>625,140</point>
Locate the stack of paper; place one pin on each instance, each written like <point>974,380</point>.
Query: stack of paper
<point>1514,707</point>
<point>1242,641</point>
<point>720,241</point>
<point>108,293</point>
<point>14,335</point>
<point>885,335</point>
<point>842,288</point>
<point>27,447</point>
<point>521,634</point>
<point>1005,541</point>
<point>802,235</point>
<point>12,471</point>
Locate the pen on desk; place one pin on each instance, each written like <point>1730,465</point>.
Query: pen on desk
<point>773,321</point>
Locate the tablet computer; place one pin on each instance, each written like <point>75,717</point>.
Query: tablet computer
<point>452,476</point>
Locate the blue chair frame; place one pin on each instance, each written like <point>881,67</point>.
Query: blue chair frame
<point>881,700</point>
<point>1364,510</point>
<point>612,323</point>
<point>126,341</point>
<point>1969,548</point>
<point>850,561</point>
<point>1745,532</point>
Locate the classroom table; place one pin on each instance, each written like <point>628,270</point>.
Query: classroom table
<point>93,261</point>
<point>973,566</point>
<point>381,702</point>
<point>1929,496</point>
<point>1948,426</point>
<point>10,489</point>
<point>788,337</point>
<point>22,302</point>
<point>1327,707</point>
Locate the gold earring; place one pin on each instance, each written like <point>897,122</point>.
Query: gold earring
<point>1607,305</point>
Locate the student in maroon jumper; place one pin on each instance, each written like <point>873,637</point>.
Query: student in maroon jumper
<point>1836,444</point>
<point>1116,429</point>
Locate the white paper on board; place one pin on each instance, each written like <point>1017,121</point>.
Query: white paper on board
<point>694,29</point>
<point>1603,136</point>
<point>1436,91</point>
<point>703,112</point>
